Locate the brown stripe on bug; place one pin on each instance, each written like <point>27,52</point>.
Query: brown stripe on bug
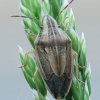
<point>53,43</point>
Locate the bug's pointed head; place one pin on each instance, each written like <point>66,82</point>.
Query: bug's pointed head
<point>49,22</point>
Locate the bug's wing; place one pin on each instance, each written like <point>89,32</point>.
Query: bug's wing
<point>68,68</point>
<point>44,64</point>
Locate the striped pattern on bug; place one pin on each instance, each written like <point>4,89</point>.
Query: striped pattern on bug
<point>54,56</point>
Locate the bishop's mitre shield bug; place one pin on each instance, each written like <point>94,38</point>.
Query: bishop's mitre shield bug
<point>54,56</point>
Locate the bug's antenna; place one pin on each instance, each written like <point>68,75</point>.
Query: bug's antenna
<point>25,17</point>
<point>64,8</point>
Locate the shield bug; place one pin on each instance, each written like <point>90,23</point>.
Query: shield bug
<point>54,56</point>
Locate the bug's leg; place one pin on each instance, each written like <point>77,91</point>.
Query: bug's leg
<point>64,8</point>
<point>81,67</point>
<point>30,34</point>
<point>62,23</point>
<point>34,78</point>
<point>26,54</point>
<point>75,61</point>
<point>36,74</point>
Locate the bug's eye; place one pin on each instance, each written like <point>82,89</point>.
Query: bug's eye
<point>41,27</point>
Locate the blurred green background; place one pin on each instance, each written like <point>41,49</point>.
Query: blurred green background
<point>13,86</point>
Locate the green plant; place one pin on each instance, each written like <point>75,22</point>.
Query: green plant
<point>33,9</point>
